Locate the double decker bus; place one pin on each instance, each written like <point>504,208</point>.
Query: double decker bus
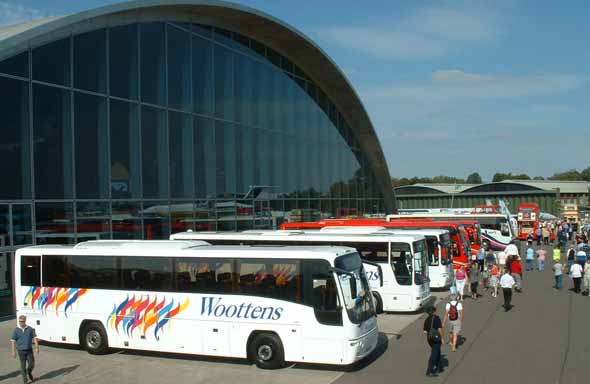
<point>460,243</point>
<point>395,265</point>
<point>528,220</point>
<point>438,241</point>
<point>266,304</point>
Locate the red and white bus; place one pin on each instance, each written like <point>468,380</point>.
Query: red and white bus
<point>528,220</point>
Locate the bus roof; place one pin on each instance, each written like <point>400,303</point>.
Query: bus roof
<point>374,237</point>
<point>146,248</point>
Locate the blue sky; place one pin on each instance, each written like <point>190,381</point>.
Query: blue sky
<point>452,87</point>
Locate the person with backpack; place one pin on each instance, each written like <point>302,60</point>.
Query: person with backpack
<point>507,283</point>
<point>454,315</point>
<point>434,337</point>
<point>460,279</point>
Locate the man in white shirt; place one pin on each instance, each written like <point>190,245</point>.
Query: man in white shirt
<point>507,283</point>
<point>511,249</point>
<point>576,274</point>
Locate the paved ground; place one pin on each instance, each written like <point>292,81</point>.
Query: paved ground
<point>542,340</point>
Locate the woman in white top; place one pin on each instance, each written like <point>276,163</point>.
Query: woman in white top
<point>576,274</point>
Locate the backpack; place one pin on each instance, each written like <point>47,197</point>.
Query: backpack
<point>453,312</point>
<point>571,254</point>
<point>433,334</point>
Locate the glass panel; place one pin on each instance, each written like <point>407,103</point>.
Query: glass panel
<point>16,65</point>
<point>6,294</point>
<point>226,215</point>
<point>245,159</point>
<point>124,69</point>
<point>147,273</point>
<point>90,61</point>
<point>202,55</point>
<point>153,61</point>
<point>202,30</point>
<point>30,274</point>
<point>179,73</point>
<point>4,226</point>
<point>15,157</point>
<point>91,140</point>
<point>205,157</point>
<point>22,226</point>
<point>92,221</point>
<point>205,215</point>
<point>181,155</point>
<point>224,102</point>
<point>244,89</point>
<point>156,220</point>
<point>225,159</point>
<point>126,220</point>
<point>125,149</point>
<point>94,272</point>
<point>154,139</point>
<point>182,216</point>
<point>53,142</point>
<point>54,223</point>
<point>51,62</point>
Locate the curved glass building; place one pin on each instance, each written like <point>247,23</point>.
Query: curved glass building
<point>146,118</point>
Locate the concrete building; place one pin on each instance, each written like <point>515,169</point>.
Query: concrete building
<point>140,119</point>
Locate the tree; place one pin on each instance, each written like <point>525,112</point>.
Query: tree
<point>571,175</point>
<point>509,176</point>
<point>474,178</point>
<point>538,178</point>
<point>585,174</point>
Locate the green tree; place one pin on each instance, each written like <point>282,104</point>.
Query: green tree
<point>538,178</point>
<point>571,175</point>
<point>474,178</point>
<point>509,176</point>
<point>585,174</point>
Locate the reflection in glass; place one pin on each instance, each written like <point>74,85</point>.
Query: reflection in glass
<point>124,63</point>
<point>156,220</point>
<point>51,62</point>
<point>205,158</point>
<point>22,225</point>
<point>90,56</point>
<point>92,220</point>
<point>15,157</point>
<point>224,99</point>
<point>181,155</point>
<point>126,220</point>
<point>154,140</point>
<point>4,226</point>
<point>181,213</point>
<point>179,71</point>
<point>52,136</point>
<point>153,64</point>
<point>54,223</point>
<point>91,143</point>
<point>125,150</point>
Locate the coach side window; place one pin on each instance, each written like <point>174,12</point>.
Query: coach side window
<point>147,273</point>
<point>30,271</point>
<point>199,275</point>
<point>56,271</point>
<point>320,292</point>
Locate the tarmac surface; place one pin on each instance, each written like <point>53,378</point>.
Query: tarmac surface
<point>541,340</point>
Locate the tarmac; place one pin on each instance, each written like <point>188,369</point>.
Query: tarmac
<point>541,340</point>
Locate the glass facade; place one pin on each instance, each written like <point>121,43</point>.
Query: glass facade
<point>142,130</point>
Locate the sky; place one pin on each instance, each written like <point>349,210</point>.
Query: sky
<point>452,87</point>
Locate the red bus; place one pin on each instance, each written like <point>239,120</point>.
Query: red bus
<point>528,220</point>
<point>460,242</point>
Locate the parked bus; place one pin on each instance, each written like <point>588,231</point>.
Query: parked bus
<point>528,220</point>
<point>267,304</point>
<point>460,244</point>
<point>496,230</point>
<point>395,265</point>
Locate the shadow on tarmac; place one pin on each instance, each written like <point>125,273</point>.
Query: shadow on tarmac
<point>58,372</point>
<point>9,375</point>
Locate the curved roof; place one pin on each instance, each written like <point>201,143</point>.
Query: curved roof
<point>568,187</point>
<point>274,33</point>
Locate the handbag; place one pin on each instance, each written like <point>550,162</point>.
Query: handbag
<point>433,334</point>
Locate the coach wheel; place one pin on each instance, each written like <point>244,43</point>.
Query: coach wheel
<point>378,302</point>
<point>266,350</point>
<point>94,339</point>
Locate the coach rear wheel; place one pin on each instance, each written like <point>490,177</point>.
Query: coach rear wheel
<point>94,339</point>
<point>378,302</point>
<point>266,350</point>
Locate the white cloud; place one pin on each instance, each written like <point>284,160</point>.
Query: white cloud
<point>11,13</point>
<point>428,32</point>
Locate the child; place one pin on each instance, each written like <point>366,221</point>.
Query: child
<point>494,279</point>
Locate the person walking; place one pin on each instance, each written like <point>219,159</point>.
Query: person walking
<point>558,274</point>
<point>481,256</point>
<point>434,336</point>
<point>516,272</point>
<point>587,277</point>
<point>576,274</point>
<point>502,259</point>
<point>507,283</point>
<point>541,255</point>
<point>571,258</point>
<point>460,279</point>
<point>494,280</point>
<point>530,257</point>
<point>556,253</point>
<point>22,340</point>
<point>474,279</point>
<point>454,316</point>
<point>545,231</point>
<point>539,236</point>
